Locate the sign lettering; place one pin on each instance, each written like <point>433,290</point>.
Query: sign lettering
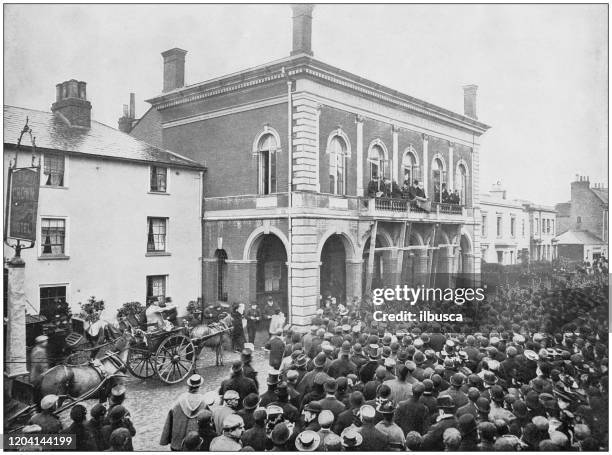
<point>24,184</point>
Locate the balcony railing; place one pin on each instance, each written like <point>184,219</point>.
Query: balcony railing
<point>394,206</point>
<point>447,209</point>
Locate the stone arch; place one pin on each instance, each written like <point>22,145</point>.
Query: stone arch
<point>384,236</point>
<point>252,243</point>
<point>342,135</point>
<point>442,160</point>
<point>266,130</point>
<point>349,244</point>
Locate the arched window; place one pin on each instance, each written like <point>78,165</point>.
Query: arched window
<point>410,168</point>
<point>377,163</point>
<point>438,178</point>
<point>337,165</point>
<point>221,274</point>
<point>267,149</point>
<point>461,183</point>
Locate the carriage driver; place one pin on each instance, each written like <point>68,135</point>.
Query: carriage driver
<point>155,312</point>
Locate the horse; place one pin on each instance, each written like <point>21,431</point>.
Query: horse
<point>75,380</point>
<point>216,334</point>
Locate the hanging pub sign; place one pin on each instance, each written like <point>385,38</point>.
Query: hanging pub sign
<point>22,206</point>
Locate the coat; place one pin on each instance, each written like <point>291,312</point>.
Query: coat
<point>412,415</point>
<point>107,430</point>
<point>276,346</point>
<point>373,440</point>
<point>433,439</point>
<point>47,422</point>
<point>181,419</point>
<point>39,359</point>
<point>240,384</point>
<point>332,404</point>
<point>85,441</point>
<point>95,428</point>
<point>255,437</point>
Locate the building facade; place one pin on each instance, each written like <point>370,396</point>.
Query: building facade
<point>505,228</point>
<point>514,228</point>
<point>587,210</point>
<point>118,219</point>
<point>295,150</point>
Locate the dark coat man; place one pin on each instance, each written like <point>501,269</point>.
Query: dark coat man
<point>276,346</point>
<point>256,436</point>
<point>342,366</point>
<point>95,424</point>
<point>330,402</point>
<point>253,316</point>
<point>373,440</point>
<point>366,373</point>
<point>433,439</point>
<point>182,417</point>
<point>239,383</point>
<point>412,414</point>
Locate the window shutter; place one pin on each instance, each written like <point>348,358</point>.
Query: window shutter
<point>272,171</point>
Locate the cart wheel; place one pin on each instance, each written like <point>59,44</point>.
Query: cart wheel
<point>140,363</point>
<point>175,359</point>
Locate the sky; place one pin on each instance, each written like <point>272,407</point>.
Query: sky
<point>542,70</point>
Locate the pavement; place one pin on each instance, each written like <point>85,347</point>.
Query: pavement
<point>149,400</point>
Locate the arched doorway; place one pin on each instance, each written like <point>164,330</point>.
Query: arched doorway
<point>410,264</point>
<point>333,269</point>
<point>271,280</point>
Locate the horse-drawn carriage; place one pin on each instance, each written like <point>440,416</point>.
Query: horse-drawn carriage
<point>170,353</point>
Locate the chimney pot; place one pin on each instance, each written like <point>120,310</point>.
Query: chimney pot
<point>469,101</point>
<point>302,29</point>
<point>174,69</point>
<point>71,102</point>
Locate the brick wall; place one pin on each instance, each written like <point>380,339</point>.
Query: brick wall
<point>225,145</point>
<point>148,128</point>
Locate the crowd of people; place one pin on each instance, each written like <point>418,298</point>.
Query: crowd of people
<point>411,190</point>
<point>529,374</point>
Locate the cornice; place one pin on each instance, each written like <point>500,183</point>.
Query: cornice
<point>302,65</point>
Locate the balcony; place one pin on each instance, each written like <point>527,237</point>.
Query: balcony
<point>309,203</point>
<point>403,208</point>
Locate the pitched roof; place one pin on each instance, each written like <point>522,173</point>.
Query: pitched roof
<point>601,193</point>
<point>582,237</point>
<point>52,132</point>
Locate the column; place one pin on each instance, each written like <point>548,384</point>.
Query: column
<point>354,277</point>
<point>16,334</point>
<point>359,153</point>
<point>209,277</point>
<point>305,282</point>
<point>305,144</point>
<point>451,167</point>
<point>390,273</point>
<point>445,265</point>
<point>395,161</point>
<point>425,175</point>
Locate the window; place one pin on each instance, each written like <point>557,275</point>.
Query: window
<point>156,237</point>
<point>377,163</point>
<point>337,166</point>
<point>499,225</point>
<point>523,228</point>
<point>159,178</point>
<point>221,274</point>
<point>461,183</point>
<point>578,219</point>
<point>511,257</point>
<point>272,275</point>
<point>156,287</point>
<point>53,169</point>
<point>50,298</point>
<point>512,226</point>
<point>500,257</point>
<point>552,227</point>
<point>484,225</point>
<point>53,236</point>
<point>267,150</point>
<point>537,226</point>
<point>438,177</point>
<point>410,169</point>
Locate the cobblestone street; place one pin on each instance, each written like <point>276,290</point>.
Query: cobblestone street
<point>149,401</point>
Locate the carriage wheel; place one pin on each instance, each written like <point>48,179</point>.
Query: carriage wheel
<point>140,363</point>
<point>175,359</point>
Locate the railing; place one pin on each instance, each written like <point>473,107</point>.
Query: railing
<point>247,201</point>
<point>395,205</point>
<point>446,208</point>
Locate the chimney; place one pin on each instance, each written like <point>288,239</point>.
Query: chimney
<point>126,122</point>
<point>302,29</point>
<point>469,101</point>
<point>174,69</point>
<point>71,102</point>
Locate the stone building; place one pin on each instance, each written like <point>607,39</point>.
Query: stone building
<point>542,227</point>
<point>583,221</point>
<point>295,150</point>
<point>118,219</point>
